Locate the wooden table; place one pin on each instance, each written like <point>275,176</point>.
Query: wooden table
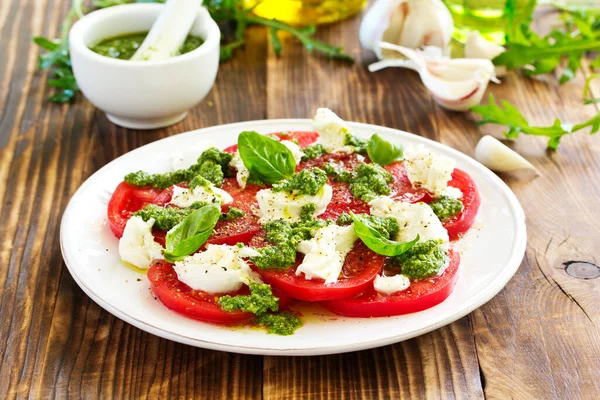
<point>538,338</point>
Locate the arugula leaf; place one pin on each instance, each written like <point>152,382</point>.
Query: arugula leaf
<point>266,158</point>
<point>586,90</point>
<point>191,233</point>
<point>516,123</point>
<point>376,241</point>
<point>540,55</point>
<point>382,152</point>
<point>58,60</point>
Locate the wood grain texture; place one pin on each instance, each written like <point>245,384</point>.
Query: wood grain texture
<point>538,338</point>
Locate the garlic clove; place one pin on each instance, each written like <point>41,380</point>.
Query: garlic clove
<point>477,46</point>
<point>377,20</point>
<point>427,23</point>
<point>409,23</point>
<point>498,157</point>
<point>455,84</point>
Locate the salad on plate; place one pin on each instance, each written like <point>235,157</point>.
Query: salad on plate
<point>235,236</point>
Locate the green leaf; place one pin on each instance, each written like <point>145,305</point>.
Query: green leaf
<point>45,43</point>
<point>376,242</point>
<point>304,35</point>
<point>510,117</point>
<point>275,42</point>
<point>382,152</point>
<point>540,55</point>
<point>266,158</point>
<point>191,233</point>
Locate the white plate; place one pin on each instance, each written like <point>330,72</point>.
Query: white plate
<point>492,252</point>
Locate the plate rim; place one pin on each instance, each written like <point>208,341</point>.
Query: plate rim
<point>507,272</point>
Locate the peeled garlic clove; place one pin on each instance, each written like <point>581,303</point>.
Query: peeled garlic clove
<point>498,157</point>
<point>409,23</point>
<point>477,46</point>
<point>456,84</point>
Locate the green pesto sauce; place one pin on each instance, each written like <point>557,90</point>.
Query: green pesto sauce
<point>259,301</point>
<point>306,182</point>
<point>367,181</point>
<point>199,180</point>
<point>286,235</point>
<point>360,145</point>
<point>212,165</point>
<point>446,207</point>
<point>124,47</point>
<point>338,173</point>
<point>166,218</point>
<point>370,181</point>
<point>423,260</point>
<point>388,227</point>
<point>283,323</point>
<point>308,211</point>
<point>231,214</point>
<point>313,151</point>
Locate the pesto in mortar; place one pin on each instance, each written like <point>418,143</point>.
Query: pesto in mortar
<point>124,47</point>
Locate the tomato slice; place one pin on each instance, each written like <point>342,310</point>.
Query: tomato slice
<point>461,222</point>
<point>304,139</point>
<point>196,304</point>
<point>359,270</point>
<point>126,200</point>
<point>239,230</point>
<point>420,296</point>
<point>180,298</point>
<point>402,189</point>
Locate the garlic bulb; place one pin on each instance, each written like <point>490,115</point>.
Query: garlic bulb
<point>456,84</point>
<point>477,46</point>
<point>498,157</point>
<point>408,23</point>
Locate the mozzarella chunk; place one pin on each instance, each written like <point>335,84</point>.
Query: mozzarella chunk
<point>332,131</point>
<point>137,245</point>
<point>184,197</point>
<point>282,205</point>
<point>413,219</point>
<point>218,269</point>
<point>391,284</point>
<point>326,252</point>
<point>429,171</point>
<point>242,174</point>
<point>295,149</point>
<point>185,159</point>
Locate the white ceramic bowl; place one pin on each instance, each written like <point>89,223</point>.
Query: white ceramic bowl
<point>142,94</point>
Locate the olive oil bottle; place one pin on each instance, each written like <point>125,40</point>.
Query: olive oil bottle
<point>305,12</point>
<point>489,17</point>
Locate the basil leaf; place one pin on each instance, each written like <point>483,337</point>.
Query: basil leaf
<point>382,152</point>
<point>266,159</point>
<point>376,242</point>
<point>191,233</point>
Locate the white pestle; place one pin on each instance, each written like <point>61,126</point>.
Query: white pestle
<point>169,31</point>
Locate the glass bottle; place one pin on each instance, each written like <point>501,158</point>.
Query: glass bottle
<point>306,12</point>
<point>489,17</point>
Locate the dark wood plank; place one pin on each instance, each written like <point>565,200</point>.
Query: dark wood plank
<point>54,341</point>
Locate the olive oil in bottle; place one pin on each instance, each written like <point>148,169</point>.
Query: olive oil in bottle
<point>489,17</point>
<point>305,12</point>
